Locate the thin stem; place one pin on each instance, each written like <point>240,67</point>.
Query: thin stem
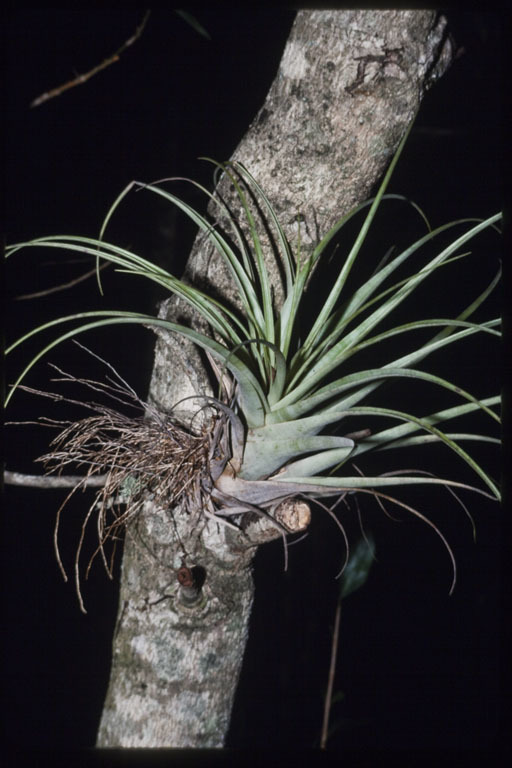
<point>62,286</point>
<point>105,63</point>
<point>44,481</point>
<point>330,681</point>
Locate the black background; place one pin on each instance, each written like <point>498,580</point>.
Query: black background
<point>419,669</point>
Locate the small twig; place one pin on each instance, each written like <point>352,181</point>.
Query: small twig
<point>45,481</point>
<point>104,64</point>
<point>62,286</point>
<point>330,681</point>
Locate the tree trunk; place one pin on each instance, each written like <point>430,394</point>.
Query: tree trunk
<point>348,85</point>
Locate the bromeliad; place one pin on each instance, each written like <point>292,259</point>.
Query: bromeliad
<point>290,396</point>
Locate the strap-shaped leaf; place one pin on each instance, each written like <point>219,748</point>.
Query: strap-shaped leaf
<point>252,397</point>
<point>318,462</point>
<point>356,572</point>
<point>426,439</point>
<point>245,285</point>
<point>284,247</point>
<point>426,425</point>
<point>263,457</point>
<point>387,437</point>
<point>215,313</point>
<point>361,379</point>
<point>335,292</point>
<point>334,356</point>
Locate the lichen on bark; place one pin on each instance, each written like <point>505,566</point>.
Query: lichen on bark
<point>175,662</point>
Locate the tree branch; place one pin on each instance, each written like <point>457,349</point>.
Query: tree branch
<point>45,481</point>
<point>317,149</point>
<point>79,79</point>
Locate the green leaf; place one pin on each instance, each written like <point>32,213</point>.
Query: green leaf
<point>245,284</point>
<point>341,350</point>
<point>357,570</point>
<point>263,457</point>
<point>362,378</point>
<point>407,417</point>
<point>283,246</point>
<point>318,462</point>
<point>387,437</point>
<point>217,315</point>
<point>332,299</point>
<point>252,397</point>
<point>190,19</point>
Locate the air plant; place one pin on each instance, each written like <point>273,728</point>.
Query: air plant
<point>286,392</point>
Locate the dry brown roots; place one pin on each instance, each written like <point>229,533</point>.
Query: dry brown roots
<point>147,456</point>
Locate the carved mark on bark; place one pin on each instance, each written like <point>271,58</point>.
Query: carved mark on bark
<point>391,56</point>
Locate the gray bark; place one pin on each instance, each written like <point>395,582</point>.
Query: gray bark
<point>348,85</point>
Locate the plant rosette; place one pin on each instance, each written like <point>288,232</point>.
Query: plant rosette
<point>284,391</point>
